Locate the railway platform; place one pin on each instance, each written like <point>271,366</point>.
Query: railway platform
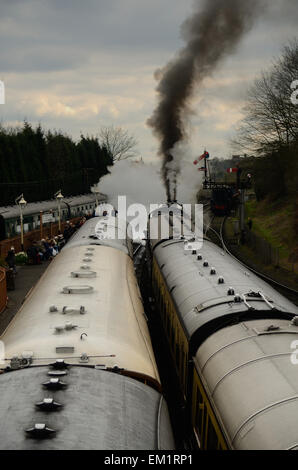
<point>27,276</point>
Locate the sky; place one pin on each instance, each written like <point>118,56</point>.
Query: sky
<point>77,66</point>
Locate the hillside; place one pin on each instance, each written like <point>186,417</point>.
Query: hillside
<point>276,222</point>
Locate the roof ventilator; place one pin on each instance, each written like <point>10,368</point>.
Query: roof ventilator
<point>48,404</point>
<point>86,274</point>
<point>212,271</point>
<point>221,280</point>
<point>60,364</point>
<point>205,264</point>
<point>231,291</point>
<point>77,290</point>
<point>199,257</point>
<point>238,299</point>
<point>54,384</point>
<point>40,431</point>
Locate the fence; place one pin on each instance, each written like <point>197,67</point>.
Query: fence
<point>265,251</point>
<point>35,235</point>
<point>3,289</point>
<point>267,254</point>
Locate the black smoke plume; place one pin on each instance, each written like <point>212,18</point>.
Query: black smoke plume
<point>211,33</point>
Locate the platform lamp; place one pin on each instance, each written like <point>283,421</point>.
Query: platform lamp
<point>59,197</point>
<point>20,201</point>
<point>96,192</point>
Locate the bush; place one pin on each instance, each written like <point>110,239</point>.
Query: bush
<point>21,258</point>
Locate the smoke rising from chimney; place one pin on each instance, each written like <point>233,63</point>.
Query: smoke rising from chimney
<point>211,33</point>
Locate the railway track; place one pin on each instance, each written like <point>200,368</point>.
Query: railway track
<point>291,293</point>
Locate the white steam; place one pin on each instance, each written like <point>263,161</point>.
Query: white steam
<point>142,183</point>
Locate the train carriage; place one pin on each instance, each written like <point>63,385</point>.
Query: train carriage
<point>79,370</point>
<point>208,299</point>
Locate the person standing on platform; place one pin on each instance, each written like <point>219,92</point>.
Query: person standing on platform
<point>11,259</point>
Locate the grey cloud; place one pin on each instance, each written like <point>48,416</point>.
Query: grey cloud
<point>111,48</point>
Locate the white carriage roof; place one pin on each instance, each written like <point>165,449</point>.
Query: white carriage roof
<point>252,381</point>
<point>10,212</point>
<point>90,290</point>
<point>99,410</point>
<point>197,293</point>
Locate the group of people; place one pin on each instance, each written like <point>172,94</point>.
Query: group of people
<point>70,228</point>
<point>45,249</point>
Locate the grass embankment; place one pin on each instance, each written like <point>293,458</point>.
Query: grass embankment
<point>275,223</point>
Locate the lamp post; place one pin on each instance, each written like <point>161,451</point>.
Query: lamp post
<point>59,198</point>
<point>21,203</point>
<point>95,190</point>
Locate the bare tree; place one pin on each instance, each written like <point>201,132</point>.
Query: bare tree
<point>118,142</point>
<point>271,119</point>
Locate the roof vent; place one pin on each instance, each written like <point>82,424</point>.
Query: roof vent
<point>60,364</point>
<point>237,299</point>
<point>53,308</point>
<point>40,431</point>
<point>87,260</point>
<point>77,290</point>
<point>48,404</point>
<point>199,257</point>
<point>85,266</point>
<point>54,384</point>
<point>205,264</point>
<point>84,274</point>
<point>221,280</point>
<point>212,271</point>
<point>90,248</point>
<point>88,254</point>
<point>231,291</point>
<point>194,252</point>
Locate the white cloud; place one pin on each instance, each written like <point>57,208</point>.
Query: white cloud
<point>78,65</point>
